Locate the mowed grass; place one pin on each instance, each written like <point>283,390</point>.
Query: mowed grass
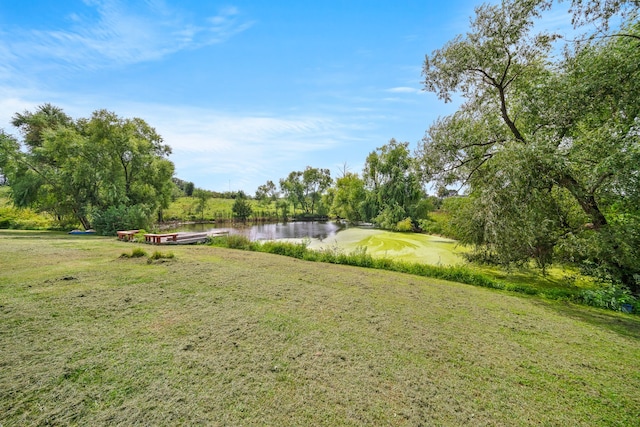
<point>221,337</point>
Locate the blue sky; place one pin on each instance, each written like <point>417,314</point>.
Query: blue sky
<point>243,91</point>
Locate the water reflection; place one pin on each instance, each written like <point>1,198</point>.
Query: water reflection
<point>288,230</point>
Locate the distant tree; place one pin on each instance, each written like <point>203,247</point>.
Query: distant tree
<point>344,170</point>
<point>315,181</point>
<point>349,197</point>
<point>188,189</point>
<point>394,185</point>
<point>241,207</point>
<point>293,190</point>
<point>202,196</point>
<point>267,193</point>
<point>283,207</point>
<point>305,188</point>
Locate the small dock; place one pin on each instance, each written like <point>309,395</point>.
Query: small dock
<point>179,238</point>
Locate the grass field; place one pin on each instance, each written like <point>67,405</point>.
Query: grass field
<point>186,209</point>
<point>222,337</point>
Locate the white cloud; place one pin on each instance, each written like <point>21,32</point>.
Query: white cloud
<point>403,89</point>
<point>120,36</point>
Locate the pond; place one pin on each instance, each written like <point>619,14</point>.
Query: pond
<point>410,247</point>
<point>273,231</point>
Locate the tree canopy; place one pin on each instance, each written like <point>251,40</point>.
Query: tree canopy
<point>81,170</point>
<point>547,149</point>
<point>394,185</point>
<point>305,188</point>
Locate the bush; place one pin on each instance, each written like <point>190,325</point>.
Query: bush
<point>121,217</point>
<point>139,236</point>
<point>389,217</point>
<point>293,250</point>
<point>613,297</point>
<point>430,226</point>
<point>22,219</point>
<point>404,225</point>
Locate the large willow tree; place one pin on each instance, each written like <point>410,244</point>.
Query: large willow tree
<point>104,170</point>
<point>548,149</point>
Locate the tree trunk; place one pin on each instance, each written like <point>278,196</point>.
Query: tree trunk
<point>586,200</point>
<point>84,221</point>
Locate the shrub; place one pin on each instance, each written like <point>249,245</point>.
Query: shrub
<point>23,219</point>
<point>430,226</point>
<point>404,225</point>
<point>389,217</point>
<point>139,236</point>
<point>120,217</point>
<point>612,296</point>
<point>293,250</point>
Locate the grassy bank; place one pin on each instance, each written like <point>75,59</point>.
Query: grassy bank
<point>215,336</point>
<point>558,286</point>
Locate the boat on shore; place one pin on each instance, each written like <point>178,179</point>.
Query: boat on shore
<point>90,231</point>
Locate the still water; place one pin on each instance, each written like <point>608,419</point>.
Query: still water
<point>288,230</point>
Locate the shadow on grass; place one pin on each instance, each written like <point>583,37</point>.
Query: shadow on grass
<point>38,234</point>
<point>623,324</point>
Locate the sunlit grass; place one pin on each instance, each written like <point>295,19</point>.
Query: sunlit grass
<point>187,209</point>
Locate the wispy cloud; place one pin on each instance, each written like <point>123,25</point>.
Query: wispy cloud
<point>245,148</point>
<point>116,35</point>
<point>402,89</point>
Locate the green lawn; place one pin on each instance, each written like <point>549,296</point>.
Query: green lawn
<point>222,337</point>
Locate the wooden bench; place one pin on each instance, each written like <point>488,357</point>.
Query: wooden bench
<point>157,239</point>
<point>126,235</point>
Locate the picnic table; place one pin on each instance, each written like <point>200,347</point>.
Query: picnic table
<point>126,235</point>
<point>157,239</point>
